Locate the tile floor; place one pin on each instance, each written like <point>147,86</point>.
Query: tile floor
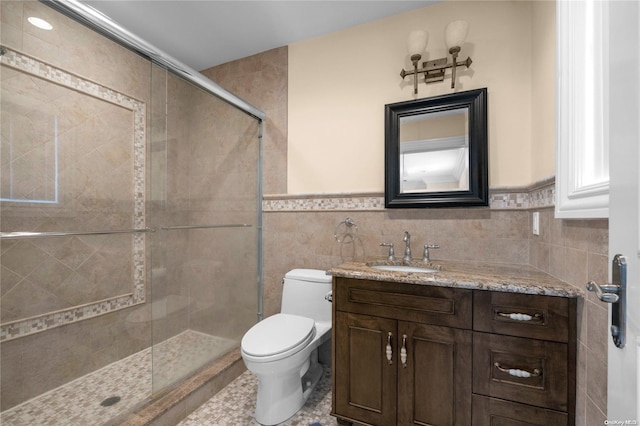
<point>78,402</point>
<point>234,405</point>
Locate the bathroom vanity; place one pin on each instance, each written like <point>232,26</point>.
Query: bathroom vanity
<point>471,344</point>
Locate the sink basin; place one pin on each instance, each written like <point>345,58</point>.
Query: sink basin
<point>403,268</point>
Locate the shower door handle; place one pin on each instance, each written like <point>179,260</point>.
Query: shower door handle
<point>616,294</point>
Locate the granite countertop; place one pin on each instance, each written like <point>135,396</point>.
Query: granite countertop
<point>462,274</point>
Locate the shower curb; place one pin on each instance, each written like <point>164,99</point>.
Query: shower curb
<point>177,403</point>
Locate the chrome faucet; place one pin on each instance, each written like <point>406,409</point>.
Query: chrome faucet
<point>407,250</point>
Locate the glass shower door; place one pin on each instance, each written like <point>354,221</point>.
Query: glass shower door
<point>130,223</point>
<point>205,204</point>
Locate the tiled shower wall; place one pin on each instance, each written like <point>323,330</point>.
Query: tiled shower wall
<point>45,360</point>
<point>298,236</point>
<point>210,150</point>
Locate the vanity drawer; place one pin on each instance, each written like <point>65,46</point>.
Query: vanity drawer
<point>498,412</point>
<point>499,363</point>
<point>524,315</point>
<point>409,302</point>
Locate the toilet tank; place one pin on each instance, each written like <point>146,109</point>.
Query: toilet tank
<point>304,292</point>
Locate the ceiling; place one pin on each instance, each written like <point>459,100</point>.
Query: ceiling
<point>202,34</point>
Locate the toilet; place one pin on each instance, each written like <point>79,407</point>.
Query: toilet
<point>282,350</point>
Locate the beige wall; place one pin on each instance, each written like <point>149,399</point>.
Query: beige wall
<point>543,74</point>
<point>345,79</point>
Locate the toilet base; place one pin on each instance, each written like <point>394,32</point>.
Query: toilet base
<point>279,397</point>
<point>311,379</point>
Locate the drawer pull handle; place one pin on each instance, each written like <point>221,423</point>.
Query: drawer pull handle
<point>516,372</point>
<point>403,351</point>
<point>521,317</point>
<point>389,351</point>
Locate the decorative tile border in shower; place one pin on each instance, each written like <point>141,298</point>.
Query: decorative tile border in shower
<point>29,65</point>
<point>539,195</point>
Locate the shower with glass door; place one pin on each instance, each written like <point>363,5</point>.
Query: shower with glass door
<point>130,219</point>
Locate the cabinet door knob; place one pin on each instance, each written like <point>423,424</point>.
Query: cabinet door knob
<point>403,351</point>
<point>389,351</point>
<point>516,372</point>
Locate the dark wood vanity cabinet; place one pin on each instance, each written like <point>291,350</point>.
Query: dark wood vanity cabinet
<point>402,354</point>
<point>473,357</point>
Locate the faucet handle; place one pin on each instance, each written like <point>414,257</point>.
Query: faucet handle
<point>425,257</point>
<point>392,253</point>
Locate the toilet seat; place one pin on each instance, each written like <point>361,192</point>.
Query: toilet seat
<point>279,334</point>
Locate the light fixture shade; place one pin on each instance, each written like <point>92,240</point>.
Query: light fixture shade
<point>417,42</point>
<point>456,33</point>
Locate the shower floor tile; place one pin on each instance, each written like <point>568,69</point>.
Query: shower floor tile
<point>234,405</point>
<point>78,402</point>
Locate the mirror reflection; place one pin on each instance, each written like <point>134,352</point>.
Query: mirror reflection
<point>434,152</point>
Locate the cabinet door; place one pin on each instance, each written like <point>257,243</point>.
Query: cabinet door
<point>364,379</point>
<point>434,385</point>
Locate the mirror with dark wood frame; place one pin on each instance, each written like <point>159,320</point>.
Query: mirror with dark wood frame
<point>436,151</point>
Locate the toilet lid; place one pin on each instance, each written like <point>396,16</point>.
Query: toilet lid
<point>276,334</point>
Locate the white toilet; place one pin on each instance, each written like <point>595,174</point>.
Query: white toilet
<point>282,350</point>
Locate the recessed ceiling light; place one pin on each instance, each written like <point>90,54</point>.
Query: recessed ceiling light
<point>40,23</point>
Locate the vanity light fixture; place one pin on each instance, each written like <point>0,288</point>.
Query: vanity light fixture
<point>455,34</point>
